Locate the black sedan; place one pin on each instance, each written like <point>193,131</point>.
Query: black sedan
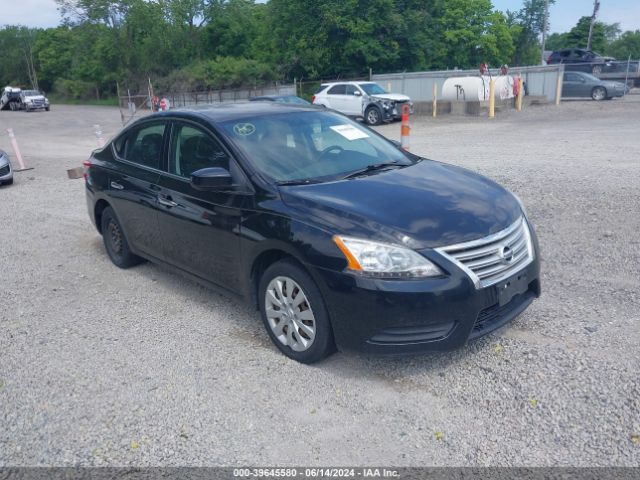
<point>337,236</point>
<point>579,84</point>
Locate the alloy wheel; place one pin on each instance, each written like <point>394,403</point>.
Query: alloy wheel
<point>599,93</point>
<point>373,117</point>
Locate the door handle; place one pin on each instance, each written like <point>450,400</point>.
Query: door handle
<point>167,202</point>
<point>117,186</point>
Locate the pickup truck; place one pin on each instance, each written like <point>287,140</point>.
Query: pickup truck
<point>17,99</point>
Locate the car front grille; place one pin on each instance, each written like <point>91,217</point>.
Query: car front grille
<point>5,170</point>
<point>38,103</point>
<point>494,258</point>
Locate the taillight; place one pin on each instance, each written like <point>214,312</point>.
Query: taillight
<point>313,99</point>
<point>85,165</point>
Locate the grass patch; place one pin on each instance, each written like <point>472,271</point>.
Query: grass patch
<point>103,102</point>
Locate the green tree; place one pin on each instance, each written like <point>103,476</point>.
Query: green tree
<point>527,25</point>
<point>578,36</point>
<point>628,44</point>
<point>470,32</point>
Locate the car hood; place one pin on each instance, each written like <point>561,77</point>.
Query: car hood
<point>396,97</point>
<point>425,205</point>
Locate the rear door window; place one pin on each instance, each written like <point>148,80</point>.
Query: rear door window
<point>143,145</point>
<point>337,90</point>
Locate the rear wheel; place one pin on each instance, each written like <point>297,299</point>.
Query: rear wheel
<point>373,116</point>
<point>599,93</point>
<point>294,313</point>
<point>115,241</point>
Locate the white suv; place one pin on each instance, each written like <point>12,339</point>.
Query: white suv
<point>362,99</point>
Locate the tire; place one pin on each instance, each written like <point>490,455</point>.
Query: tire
<point>373,116</point>
<point>115,241</point>
<point>7,182</point>
<point>599,93</point>
<point>47,109</point>
<point>280,288</point>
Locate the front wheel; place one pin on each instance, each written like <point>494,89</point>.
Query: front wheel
<point>599,93</point>
<point>373,116</point>
<point>115,241</point>
<point>294,313</point>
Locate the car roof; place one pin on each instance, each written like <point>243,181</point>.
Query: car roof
<point>223,112</point>
<point>346,82</point>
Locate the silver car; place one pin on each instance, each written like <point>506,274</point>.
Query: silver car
<point>6,172</point>
<point>580,84</point>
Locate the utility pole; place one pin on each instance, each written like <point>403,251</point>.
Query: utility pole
<point>545,27</point>
<point>596,7</point>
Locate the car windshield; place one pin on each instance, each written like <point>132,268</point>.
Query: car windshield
<point>31,93</point>
<point>310,146</point>
<point>372,88</point>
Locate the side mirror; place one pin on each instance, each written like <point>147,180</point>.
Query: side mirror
<point>213,178</point>
<point>357,93</point>
<point>396,143</point>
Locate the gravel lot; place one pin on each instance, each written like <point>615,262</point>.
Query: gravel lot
<point>100,366</point>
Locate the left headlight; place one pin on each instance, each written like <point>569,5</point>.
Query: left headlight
<point>384,260</point>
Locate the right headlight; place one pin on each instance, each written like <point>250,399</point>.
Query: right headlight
<point>384,260</point>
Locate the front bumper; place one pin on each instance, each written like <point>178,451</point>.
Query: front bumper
<point>396,111</point>
<point>401,317</point>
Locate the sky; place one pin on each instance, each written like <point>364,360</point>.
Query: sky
<point>563,15</point>
<point>566,13</point>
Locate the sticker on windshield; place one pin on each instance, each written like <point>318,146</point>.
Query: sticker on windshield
<point>349,132</point>
<point>244,129</point>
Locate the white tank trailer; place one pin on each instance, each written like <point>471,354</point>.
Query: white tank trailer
<point>476,89</point>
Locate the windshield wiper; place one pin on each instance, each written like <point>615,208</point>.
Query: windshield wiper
<point>298,181</point>
<point>372,168</point>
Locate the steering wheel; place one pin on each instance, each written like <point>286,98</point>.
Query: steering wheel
<point>333,148</point>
